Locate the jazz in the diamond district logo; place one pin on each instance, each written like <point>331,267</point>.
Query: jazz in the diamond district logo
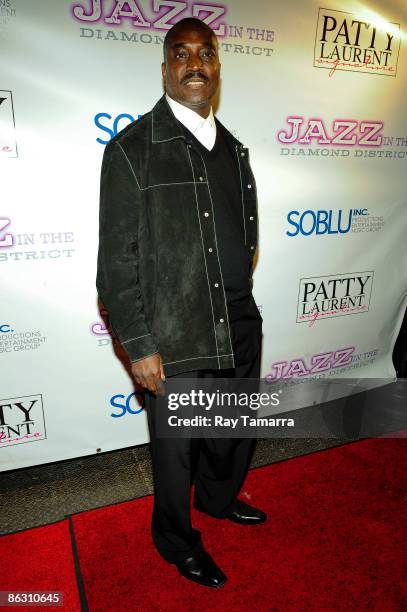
<point>8,144</point>
<point>336,295</point>
<point>346,41</point>
<point>21,420</point>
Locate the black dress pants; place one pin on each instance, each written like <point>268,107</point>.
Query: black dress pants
<point>217,465</point>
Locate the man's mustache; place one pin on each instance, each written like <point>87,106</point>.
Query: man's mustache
<point>194,75</point>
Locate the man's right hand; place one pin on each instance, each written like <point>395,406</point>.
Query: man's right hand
<point>149,373</point>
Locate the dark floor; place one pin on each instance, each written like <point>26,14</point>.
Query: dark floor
<point>38,495</point>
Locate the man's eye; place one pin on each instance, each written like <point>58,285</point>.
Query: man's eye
<point>208,54</point>
<point>181,54</point>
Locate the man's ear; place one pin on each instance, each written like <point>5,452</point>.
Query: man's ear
<point>163,70</point>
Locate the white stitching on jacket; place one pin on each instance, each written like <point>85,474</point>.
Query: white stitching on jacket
<point>152,132</point>
<point>158,184</point>
<point>138,338</point>
<point>241,189</point>
<point>204,256</point>
<point>169,184</point>
<point>198,357</point>
<point>217,254</point>
<point>128,161</point>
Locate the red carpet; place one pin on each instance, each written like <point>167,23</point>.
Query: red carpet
<point>40,559</point>
<point>336,540</point>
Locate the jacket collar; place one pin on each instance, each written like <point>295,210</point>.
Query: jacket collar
<point>165,127</point>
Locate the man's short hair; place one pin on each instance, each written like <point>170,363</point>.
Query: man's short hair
<point>187,21</point>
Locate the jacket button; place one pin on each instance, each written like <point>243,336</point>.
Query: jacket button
<point>221,320</point>
<point>251,218</point>
<point>242,153</point>
<point>216,285</point>
<point>251,248</point>
<point>210,249</point>
<point>201,178</point>
<point>206,214</point>
<point>249,186</point>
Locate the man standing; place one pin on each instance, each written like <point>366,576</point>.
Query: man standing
<point>178,233</point>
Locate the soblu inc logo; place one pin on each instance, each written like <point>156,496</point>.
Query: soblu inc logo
<point>112,125</point>
<point>322,222</point>
<point>133,403</point>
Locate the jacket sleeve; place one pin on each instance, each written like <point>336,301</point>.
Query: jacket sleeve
<point>117,278</point>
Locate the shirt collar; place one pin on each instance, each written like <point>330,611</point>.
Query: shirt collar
<point>191,119</point>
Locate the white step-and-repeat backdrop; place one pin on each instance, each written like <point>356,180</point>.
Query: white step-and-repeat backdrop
<point>316,90</point>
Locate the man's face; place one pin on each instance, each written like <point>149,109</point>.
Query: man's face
<point>191,71</point>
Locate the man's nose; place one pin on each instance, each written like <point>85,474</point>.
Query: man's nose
<point>195,62</point>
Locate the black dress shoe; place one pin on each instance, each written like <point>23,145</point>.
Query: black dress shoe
<point>246,515</point>
<point>201,568</point>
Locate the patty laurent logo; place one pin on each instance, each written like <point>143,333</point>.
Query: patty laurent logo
<point>334,296</point>
<point>345,41</point>
<point>21,420</point>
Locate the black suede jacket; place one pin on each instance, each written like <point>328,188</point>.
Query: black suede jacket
<point>158,272</point>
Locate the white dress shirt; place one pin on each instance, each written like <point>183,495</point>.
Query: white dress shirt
<point>203,129</point>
